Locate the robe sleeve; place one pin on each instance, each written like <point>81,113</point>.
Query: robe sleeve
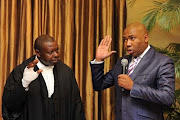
<point>14,95</point>
<point>79,111</point>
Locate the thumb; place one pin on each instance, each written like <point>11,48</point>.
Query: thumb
<point>39,71</point>
<point>110,53</point>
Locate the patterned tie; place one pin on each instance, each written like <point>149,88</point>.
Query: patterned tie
<point>133,65</point>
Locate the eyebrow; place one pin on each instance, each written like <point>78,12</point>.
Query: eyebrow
<point>131,36</point>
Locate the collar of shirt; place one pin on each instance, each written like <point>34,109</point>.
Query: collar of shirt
<point>146,50</point>
<point>40,65</point>
<point>142,55</point>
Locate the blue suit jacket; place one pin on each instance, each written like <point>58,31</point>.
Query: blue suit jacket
<point>154,85</point>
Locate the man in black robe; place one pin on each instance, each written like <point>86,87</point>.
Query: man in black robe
<point>42,87</point>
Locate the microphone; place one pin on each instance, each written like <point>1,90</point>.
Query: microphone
<point>124,63</point>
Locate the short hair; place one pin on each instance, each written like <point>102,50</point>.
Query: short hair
<point>41,40</point>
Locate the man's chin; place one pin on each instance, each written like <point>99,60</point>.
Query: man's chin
<point>50,64</point>
<point>133,55</point>
<point>130,54</point>
<point>54,62</point>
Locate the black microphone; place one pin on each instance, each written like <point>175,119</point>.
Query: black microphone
<point>124,63</point>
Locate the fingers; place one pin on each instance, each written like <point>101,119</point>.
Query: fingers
<point>112,52</point>
<point>39,71</point>
<point>106,41</point>
<point>35,61</point>
<point>32,64</point>
<point>123,76</point>
<point>103,49</point>
<point>121,80</point>
<point>125,81</point>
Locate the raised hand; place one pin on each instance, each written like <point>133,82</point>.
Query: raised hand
<point>29,74</point>
<point>102,50</point>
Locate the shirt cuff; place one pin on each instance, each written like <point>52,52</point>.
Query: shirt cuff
<point>24,86</point>
<point>95,62</point>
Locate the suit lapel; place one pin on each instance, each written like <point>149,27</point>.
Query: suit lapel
<point>145,61</point>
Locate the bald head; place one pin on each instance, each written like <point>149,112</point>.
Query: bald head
<point>135,38</point>
<point>138,27</point>
<point>39,42</point>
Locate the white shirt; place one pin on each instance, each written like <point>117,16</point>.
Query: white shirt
<point>48,76</point>
<point>140,57</point>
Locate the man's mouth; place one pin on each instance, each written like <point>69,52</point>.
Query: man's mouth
<point>55,60</point>
<point>130,51</point>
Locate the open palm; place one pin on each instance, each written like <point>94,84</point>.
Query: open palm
<point>102,50</point>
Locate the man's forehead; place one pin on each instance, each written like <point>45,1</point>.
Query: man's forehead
<point>132,30</point>
<point>49,44</point>
<point>129,33</point>
<point>135,28</point>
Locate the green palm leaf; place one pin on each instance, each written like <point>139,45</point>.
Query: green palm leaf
<point>165,13</point>
<point>131,2</point>
<point>173,47</point>
<point>150,20</point>
<point>173,51</point>
<point>174,111</point>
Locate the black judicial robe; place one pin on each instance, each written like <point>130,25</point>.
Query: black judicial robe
<point>34,103</point>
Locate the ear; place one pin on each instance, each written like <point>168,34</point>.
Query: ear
<point>146,38</point>
<point>37,52</point>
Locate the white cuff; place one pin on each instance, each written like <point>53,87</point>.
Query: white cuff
<point>95,62</point>
<point>25,85</point>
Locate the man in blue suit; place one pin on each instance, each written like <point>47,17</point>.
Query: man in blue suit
<point>149,84</point>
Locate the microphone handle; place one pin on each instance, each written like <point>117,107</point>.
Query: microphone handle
<point>124,69</point>
<point>124,72</point>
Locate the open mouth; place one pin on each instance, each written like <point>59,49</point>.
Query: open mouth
<point>130,51</point>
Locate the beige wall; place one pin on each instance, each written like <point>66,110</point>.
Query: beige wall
<point>157,37</point>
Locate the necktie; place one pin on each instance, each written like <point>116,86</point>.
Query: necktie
<point>133,65</point>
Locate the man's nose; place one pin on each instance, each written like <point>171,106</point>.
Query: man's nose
<point>128,43</point>
<point>56,54</point>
